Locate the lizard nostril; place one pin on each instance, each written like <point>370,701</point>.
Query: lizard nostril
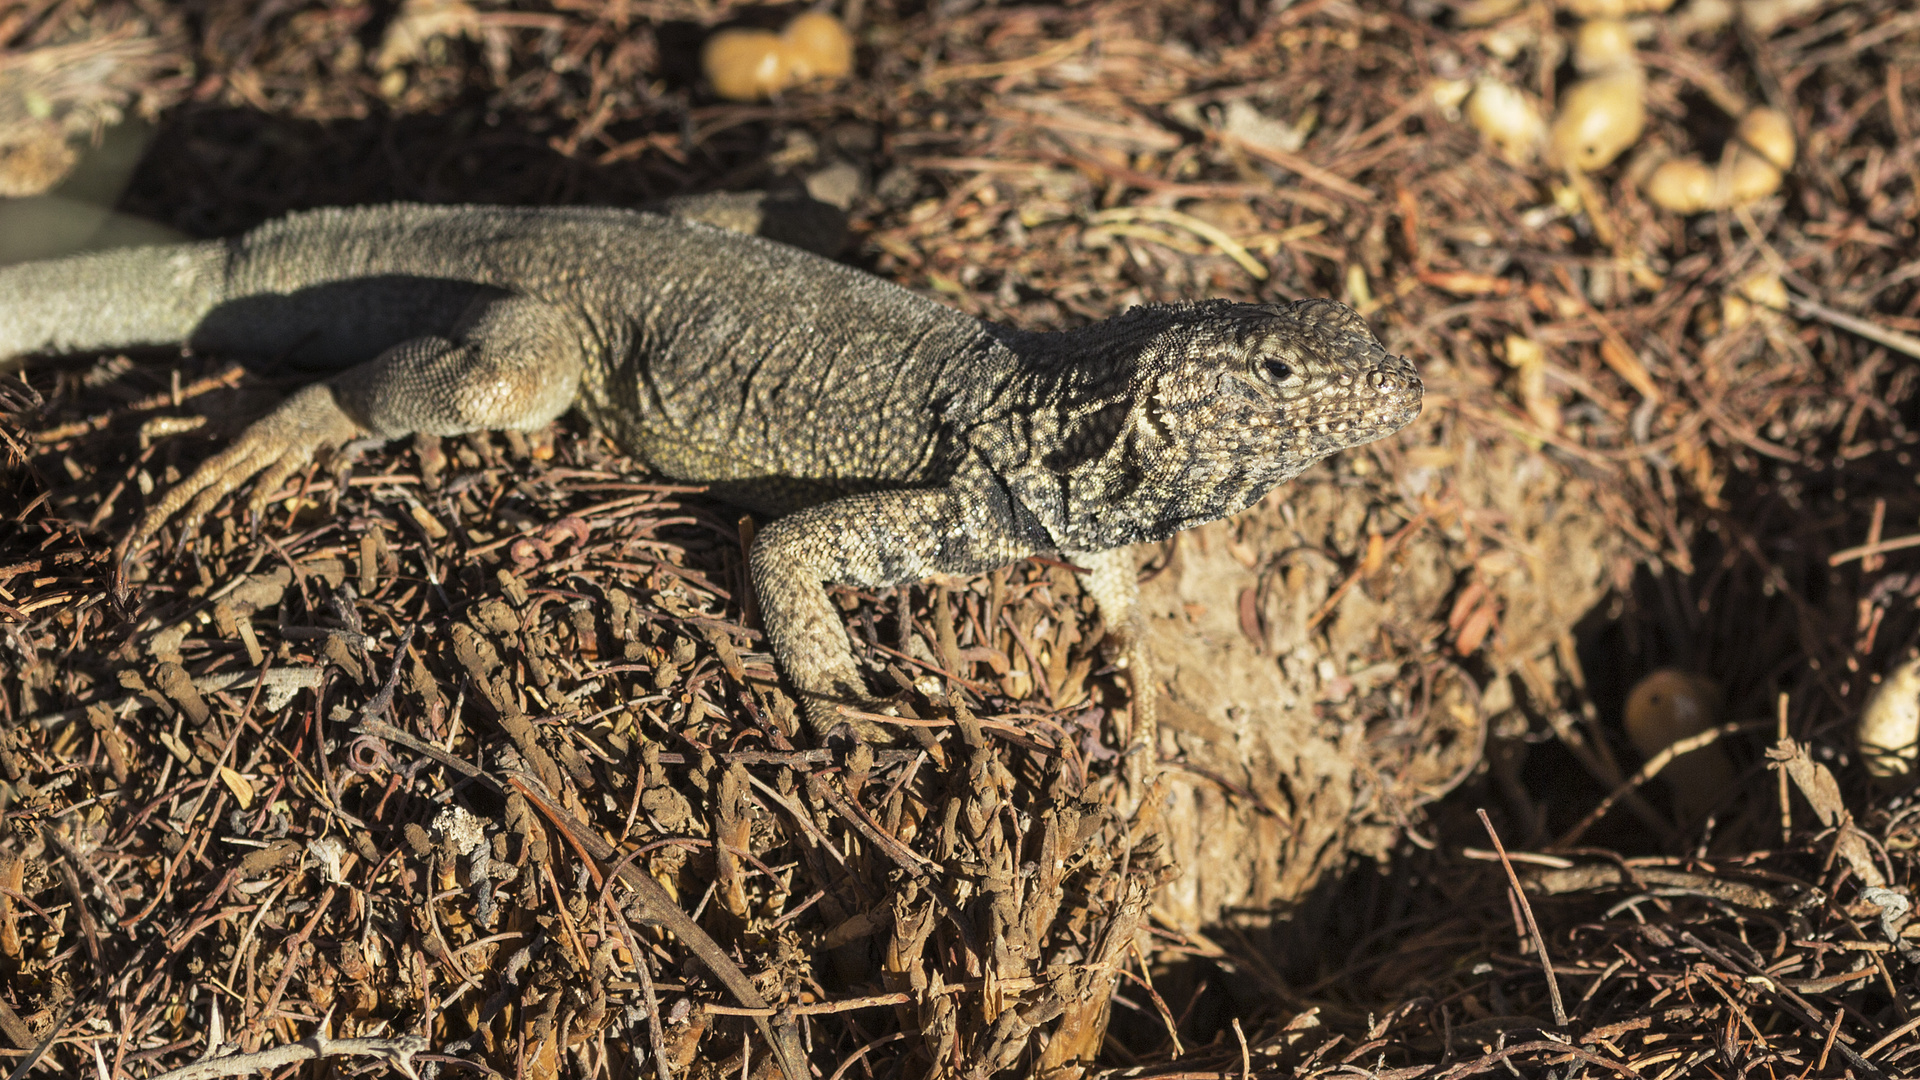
<point>1386,382</point>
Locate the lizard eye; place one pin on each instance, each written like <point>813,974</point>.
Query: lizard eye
<point>1277,370</point>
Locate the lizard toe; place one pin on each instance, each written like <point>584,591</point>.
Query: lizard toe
<point>273,478</point>
<point>222,478</point>
<point>196,494</point>
<point>272,448</point>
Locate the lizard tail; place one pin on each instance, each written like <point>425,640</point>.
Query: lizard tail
<point>123,298</point>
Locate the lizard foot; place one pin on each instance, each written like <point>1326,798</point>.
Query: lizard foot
<point>825,715</point>
<point>272,448</point>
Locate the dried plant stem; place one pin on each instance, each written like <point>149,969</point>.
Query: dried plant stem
<point>1533,927</point>
<point>1648,771</point>
<point>1879,335</point>
<point>398,1052</point>
<point>1786,808</point>
<point>1873,549</point>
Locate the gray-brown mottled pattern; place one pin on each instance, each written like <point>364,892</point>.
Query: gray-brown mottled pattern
<point>897,437</point>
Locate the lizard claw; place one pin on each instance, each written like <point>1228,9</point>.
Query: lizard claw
<point>273,448</point>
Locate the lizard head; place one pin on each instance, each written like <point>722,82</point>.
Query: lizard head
<point>1228,400</point>
<point>1309,378</point>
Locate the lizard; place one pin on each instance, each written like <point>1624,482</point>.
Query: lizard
<point>891,438</point>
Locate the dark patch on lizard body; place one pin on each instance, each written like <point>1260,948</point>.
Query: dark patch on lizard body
<point>898,437</point>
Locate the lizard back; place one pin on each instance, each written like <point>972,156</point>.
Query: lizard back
<point>778,376</point>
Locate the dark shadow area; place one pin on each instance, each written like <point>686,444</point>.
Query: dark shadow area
<point>1776,606</point>
<point>322,328</point>
<point>214,171</point>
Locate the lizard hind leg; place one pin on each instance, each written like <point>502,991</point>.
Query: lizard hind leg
<point>510,363</point>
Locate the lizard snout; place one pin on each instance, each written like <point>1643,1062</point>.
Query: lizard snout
<point>1399,393</point>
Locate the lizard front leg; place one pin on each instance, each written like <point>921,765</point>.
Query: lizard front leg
<point>871,540</point>
<point>511,362</point>
<point>1113,580</point>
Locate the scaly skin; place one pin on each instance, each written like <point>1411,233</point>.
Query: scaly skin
<point>897,438</point>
